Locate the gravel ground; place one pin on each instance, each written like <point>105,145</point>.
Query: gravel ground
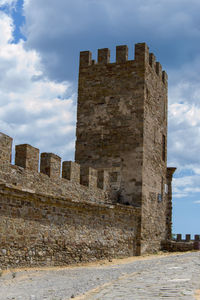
<point>158,277</point>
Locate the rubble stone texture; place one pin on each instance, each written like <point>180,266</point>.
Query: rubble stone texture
<point>45,230</point>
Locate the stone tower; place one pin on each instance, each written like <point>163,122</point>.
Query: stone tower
<point>122,127</point>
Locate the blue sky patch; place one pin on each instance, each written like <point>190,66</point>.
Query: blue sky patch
<point>19,21</point>
<point>18,18</point>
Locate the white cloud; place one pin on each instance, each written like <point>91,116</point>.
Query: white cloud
<point>197,202</point>
<point>186,186</point>
<point>8,2</point>
<point>184,116</point>
<point>33,109</point>
<point>91,24</point>
<point>6,25</point>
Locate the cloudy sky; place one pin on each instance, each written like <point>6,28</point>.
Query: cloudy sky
<point>40,41</point>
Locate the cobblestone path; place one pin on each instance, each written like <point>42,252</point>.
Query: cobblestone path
<point>172,277</point>
<point>176,277</point>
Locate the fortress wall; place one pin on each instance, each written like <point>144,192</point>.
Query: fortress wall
<point>49,220</point>
<point>78,183</point>
<point>36,229</point>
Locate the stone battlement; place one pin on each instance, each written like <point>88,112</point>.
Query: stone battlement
<point>181,244</point>
<point>142,57</point>
<point>187,238</point>
<point>69,179</point>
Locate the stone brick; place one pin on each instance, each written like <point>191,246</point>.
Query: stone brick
<point>27,156</point>
<point>50,164</point>
<point>71,171</point>
<point>88,176</point>
<point>187,237</point>
<point>103,56</point>
<point>121,54</point>
<point>85,58</point>
<point>158,69</point>
<point>179,237</point>
<point>103,179</point>
<point>5,147</point>
<point>152,60</point>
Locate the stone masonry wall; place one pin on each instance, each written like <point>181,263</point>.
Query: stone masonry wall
<point>154,184</point>
<point>40,230</point>
<point>122,123</point>
<point>110,119</point>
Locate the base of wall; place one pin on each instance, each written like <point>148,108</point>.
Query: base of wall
<point>57,255</point>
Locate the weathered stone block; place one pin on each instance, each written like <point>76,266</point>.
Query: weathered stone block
<point>187,237</point>
<point>85,58</point>
<point>88,176</point>
<point>27,156</point>
<point>142,54</point>
<point>71,171</point>
<point>158,69</point>
<point>50,164</point>
<point>103,56</point>
<point>5,147</point>
<point>152,61</point>
<point>121,54</point>
<point>103,181</point>
<point>164,77</point>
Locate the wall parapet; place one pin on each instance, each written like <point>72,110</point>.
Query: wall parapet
<point>187,238</point>
<point>142,58</point>
<point>91,185</point>
<point>182,244</point>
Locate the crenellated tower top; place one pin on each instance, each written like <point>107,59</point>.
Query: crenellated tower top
<point>142,58</point>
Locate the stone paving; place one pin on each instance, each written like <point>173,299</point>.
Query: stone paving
<point>172,277</point>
